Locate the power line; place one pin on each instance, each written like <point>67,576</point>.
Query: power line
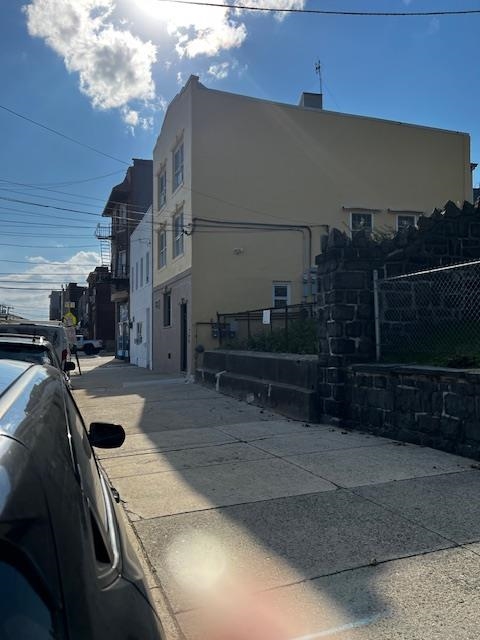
<point>68,183</point>
<point>151,217</point>
<point>43,263</point>
<point>70,210</point>
<point>37,214</point>
<point>23,223</point>
<point>50,206</point>
<point>67,209</point>
<point>27,290</point>
<point>36,273</point>
<point>39,246</point>
<point>332,12</point>
<point>62,135</point>
<point>141,208</point>
<point>27,282</point>
<point>44,235</point>
<point>35,187</point>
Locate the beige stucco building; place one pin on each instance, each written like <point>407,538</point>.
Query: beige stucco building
<point>245,188</point>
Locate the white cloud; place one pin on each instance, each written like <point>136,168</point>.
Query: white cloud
<point>278,4</point>
<point>222,70</point>
<point>133,119</point>
<point>114,66</point>
<point>219,71</point>
<point>201,30</point>
<point>433,26</point>
<point>35,304</point>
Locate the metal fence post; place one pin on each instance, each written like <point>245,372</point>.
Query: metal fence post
<point>377,316</point>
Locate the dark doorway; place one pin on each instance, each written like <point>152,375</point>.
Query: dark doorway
<point>183,336</point>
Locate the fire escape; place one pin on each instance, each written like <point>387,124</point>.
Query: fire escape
<point>103,232</point>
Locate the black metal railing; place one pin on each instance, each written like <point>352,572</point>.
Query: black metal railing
<point>288,329</point>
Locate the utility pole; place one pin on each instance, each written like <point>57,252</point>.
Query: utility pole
<point>318,71</point>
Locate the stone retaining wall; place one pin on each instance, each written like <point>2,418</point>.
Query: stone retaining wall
<point>432,406</point>
<point>284,382</point>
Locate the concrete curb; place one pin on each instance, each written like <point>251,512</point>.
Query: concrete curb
<point>155,589</point>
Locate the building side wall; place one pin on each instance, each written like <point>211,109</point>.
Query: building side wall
<point>251,161</point>
<point>141,293</point>
<point>167,339</point>
<point>174,275</point>
<point>255,161</point>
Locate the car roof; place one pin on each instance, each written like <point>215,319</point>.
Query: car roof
<point>10,371</point>
<point>21,338</point>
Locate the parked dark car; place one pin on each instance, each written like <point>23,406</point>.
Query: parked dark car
<point>66,567</point>
<point>34,349</point>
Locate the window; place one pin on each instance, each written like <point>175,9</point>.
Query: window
<point>162,248</point>
<point>362,221</point>
<point>167,309</point>
<point>147,267</point>
<point>141,272</point>
<point>178,234</point>
<point>281,294</point>
<point>136,275</point>
<point>162,188</point>
<point>404,221</point>
<point>178,166</point>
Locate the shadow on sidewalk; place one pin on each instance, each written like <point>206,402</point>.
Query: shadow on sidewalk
<point>212,497</point>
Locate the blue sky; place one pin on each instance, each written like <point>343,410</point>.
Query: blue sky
<point>102,71</point>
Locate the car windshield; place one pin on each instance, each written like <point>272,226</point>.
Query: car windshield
<point>33,353</point>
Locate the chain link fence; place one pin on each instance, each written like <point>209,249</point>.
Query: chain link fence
<point>430,317</point>
<point>289,329</point>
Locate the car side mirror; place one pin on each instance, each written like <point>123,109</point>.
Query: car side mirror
<point>106,435</point>
<point>69,366</point>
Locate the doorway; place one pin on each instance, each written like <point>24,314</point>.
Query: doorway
<point>147,339</point>
<point>183,336</point>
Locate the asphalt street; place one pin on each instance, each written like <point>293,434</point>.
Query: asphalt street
<point>342,534</point>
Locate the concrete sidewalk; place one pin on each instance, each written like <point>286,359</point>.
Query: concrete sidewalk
<point>352,535</point>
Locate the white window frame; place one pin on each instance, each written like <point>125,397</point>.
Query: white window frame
<point>162,248</point>
<point>405,215</point>
<point>361,213</point>
<point>286,299</point>
<point>178,159</point>
<point>162,188</point>
<point>147,267</point>
<point>141,272</point>
<point>136,275</point>
<point>178,241</point>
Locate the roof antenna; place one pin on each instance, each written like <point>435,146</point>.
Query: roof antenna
<point>318,71</point>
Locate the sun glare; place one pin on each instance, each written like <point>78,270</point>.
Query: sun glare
<point>164,11</point>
